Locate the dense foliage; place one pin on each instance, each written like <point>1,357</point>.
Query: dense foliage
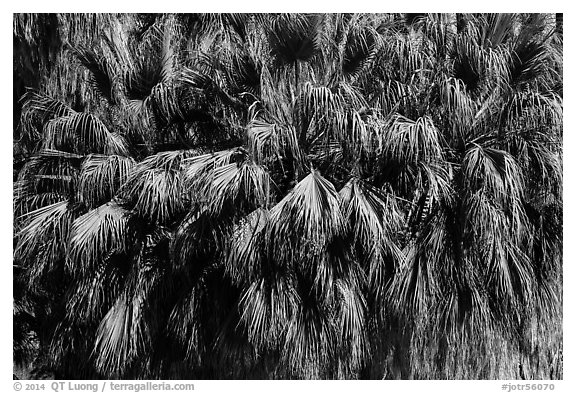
<point>288,196</point>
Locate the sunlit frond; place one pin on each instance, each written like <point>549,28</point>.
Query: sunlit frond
<point>155,195</point>
<point>49,175</point>
<point>82,133</point>
<point>42,241</point>
<point>246,248</point>
<point>154,188</point>
<point>375,221</point>
<point>494,171</point>
<point>95,235</point>
<point>121,335</point>
<point>352,323</point>
<point>410,141</point>
<point>310,210</point>
<point>101,177</point>
<point>266,307</point>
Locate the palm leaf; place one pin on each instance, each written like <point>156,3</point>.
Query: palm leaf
<point>244,256</point>
<point>97,292</point>
<point>361,48</point>
<point>82,133</point>
<point>42,240</point>
<point>266,307</point>
<point>375,221</point>
<point>96,234</point>
<point>38,109</point>
<point>101,177</point>
<point>352,324</point>
<point>311,210</point>
<point>410,141</point>
<point>494,171</point>
<point>49,174</point>
<point>121,337</point>
<point>154,189</point>
<point>102,76</point>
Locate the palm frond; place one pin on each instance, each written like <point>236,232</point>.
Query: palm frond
<point>198,239</point>
<point>97,292</point>
<point>360,51</point>
<point>375,221</point>
<point>309,344</point>
<point>227,180</point>
<point>82,133</point>
<point>267,306</point>
<point>185,323</point>
<point>352,324</point>
<point>102,76</point>
<point>244,256</point>
<point>311,210</point>
<point>196,167</point>
<point>95,235</point>
<point>155,195</point>
<point>271,143</point>
<point>494,171</point>
<point>263,140</point>
<point>410,141</point>
<point>50,174</point>
<point>42,241</point>
<point>38,109</point>
<point>101,177</point>
<point>121,337</point>
<point>154,189</point>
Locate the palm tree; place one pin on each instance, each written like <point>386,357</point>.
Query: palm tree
<point>292,196</point>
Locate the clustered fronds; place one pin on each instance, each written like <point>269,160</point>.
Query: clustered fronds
<point>291,196</point>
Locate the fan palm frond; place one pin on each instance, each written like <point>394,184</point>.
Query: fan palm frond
<point>97,234</point>
<point>101,177</point>
<point>42,240</point>
<point>102,75</point>
<point>352,324</point>
<point>245,253</point>
<point>410,141</point>
<point>266,307</point>
<point>227,179</point>
<point>495,171</point>
<point>375,221</point>
<point>155,195</point>
<point>48,174</point>
<point>309,343</point>
<point>43,108</point>
<point>97,292</point>
<point>120,337</point>
<point>360,51</point>
<point>82,133</point>
<point>312,211</point>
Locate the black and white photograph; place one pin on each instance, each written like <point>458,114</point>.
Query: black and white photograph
<point>287,196</point>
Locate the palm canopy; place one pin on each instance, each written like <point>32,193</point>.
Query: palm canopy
<point>292,196</point>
